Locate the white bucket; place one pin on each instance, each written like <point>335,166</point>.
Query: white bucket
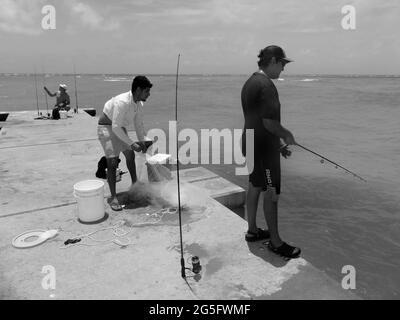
<point>63,114</point>
<point>90,198</point>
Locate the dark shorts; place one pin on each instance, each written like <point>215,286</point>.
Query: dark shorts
<point>266,172</point>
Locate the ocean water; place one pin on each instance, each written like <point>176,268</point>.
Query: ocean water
<point>334,217</point>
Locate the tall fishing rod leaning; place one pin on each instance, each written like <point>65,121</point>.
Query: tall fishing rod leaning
<point>324,158</point>
<point>37,97</point>
<point>45,94</point>
<point>177,171</point>
<point>76,92</point>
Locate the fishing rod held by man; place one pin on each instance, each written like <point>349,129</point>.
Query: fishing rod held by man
<point>283,147</point>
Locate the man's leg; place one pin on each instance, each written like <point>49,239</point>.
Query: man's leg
<point>271,215</point>
<point>252,197</point>
<point>112,164</point>
<point>110,145</point>
<point>130,164</point>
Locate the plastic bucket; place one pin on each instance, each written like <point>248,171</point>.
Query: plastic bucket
<point>63,114</point>
<point>90,198</point>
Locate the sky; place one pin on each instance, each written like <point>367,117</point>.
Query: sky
<point>212,36</point>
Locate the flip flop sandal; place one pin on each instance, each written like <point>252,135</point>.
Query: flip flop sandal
<point>261,234</point>
<point>116,206</point>
<point>286,251</point>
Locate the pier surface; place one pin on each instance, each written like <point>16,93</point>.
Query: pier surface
<point>41,160</point>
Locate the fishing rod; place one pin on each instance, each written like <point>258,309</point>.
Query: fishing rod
<point>76,92</point>
<point>177,170</point>
<point>334,163</point>
<point>183,274</point>
<point>45,94</point>
<point>37,97</point>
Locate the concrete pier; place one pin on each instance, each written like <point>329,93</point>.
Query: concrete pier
<point>41,160</point>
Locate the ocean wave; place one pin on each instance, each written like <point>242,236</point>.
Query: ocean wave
<point>281,79</point>
<point>309,80</point>
<point>116,79</point>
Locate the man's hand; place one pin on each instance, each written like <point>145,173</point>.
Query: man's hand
<point>285,152</point>
<point>136,147</point>
<point>144,145</point>
<point>289,139</point>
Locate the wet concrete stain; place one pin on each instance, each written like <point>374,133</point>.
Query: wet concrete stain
<point>188,215</point>
<point>192,174</point>
<point>212,266</point>
<point>215,185</point>
<point>191,250</point>
<point>195,249</point>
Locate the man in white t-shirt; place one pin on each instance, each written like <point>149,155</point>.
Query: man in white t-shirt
<point>119,113</point>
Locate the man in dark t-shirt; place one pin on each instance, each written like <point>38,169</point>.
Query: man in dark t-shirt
<point>260,101</point>
<point>262,113</point>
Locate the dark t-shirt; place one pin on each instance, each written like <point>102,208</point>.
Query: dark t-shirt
<point>260,100</point>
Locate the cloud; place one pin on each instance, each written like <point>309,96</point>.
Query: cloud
<point>21,16</point>
<point>214,35</point>
<point>91,18</point>
<point>233,11</point>
<point>314,30</point>
<point>201,13</point>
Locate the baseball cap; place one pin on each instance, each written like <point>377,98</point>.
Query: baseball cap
<point>274,51</point>
<point>64,86</point>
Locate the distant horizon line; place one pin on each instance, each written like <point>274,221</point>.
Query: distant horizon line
<point>201,74</point>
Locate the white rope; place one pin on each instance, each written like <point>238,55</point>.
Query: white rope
<point>118,232</point>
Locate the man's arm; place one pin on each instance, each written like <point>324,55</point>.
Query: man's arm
<point>49,93</point>
<point>139,127</point>
<point>277,129</point>
<point>117,121</point>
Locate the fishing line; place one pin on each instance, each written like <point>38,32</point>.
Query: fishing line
<point>37,97</point>
<point>47,143</point>
<point>45,94</point>
<point>334,163</point>
<point>76,92</point>
<point>177,168</point>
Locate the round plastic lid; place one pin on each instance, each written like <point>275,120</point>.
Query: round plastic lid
<point>20,241</point>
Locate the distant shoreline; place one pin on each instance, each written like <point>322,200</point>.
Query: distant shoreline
<point>7,74</point>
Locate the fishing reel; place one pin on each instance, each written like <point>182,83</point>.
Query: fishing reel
<point>196,266</point>
<point>119,174</point>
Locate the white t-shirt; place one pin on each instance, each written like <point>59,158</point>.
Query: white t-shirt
<point>125,113</point>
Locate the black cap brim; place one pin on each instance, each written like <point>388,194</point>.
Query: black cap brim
<point>287,60</point>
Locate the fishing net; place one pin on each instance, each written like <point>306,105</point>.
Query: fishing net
<point>151,171</point>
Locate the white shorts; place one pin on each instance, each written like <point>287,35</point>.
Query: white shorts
<point>112,145</point>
